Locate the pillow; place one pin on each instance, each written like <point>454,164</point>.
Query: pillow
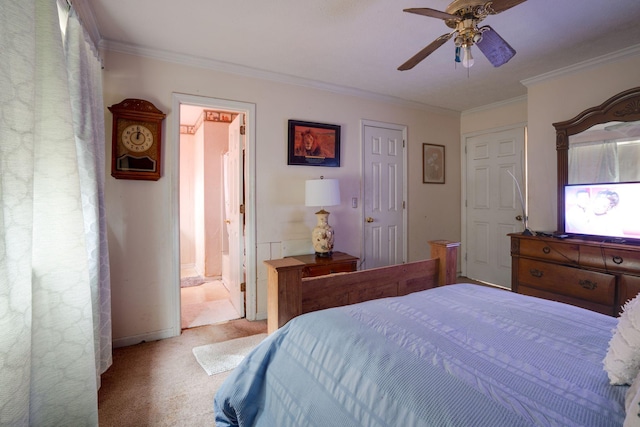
<point>632,404</point>
<point>622,362</point>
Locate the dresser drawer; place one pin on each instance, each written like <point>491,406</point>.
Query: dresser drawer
<point>550,251</point>
<point>610,259</point>
<point>322,269</point>
<point>629,288</point>
<point>585,285</point>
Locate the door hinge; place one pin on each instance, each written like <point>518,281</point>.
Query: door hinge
<point>242,129</point>
<point>242,209</point>
<point>404,205</point>
<point>243,287</point>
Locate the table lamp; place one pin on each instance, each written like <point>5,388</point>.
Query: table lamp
<point>322,192</point>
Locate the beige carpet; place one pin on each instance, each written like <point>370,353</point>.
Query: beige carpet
<point>161,384</point>
<point>224,356</point>
<point>206,304</point>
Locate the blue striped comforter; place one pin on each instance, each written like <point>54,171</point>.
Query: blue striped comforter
<point>458,355</point>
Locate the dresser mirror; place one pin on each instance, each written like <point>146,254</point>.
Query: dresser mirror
<point>599,145</point>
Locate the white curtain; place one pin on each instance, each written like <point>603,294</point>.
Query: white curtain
<point>55,327</point>
<point>594,162</point>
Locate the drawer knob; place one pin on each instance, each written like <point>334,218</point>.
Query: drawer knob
<point>617,259</point>
<point>535,272</point>
<point>588,284</point>
<point>546,249</point>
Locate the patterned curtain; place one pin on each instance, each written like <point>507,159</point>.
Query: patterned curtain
<point>55,326</point>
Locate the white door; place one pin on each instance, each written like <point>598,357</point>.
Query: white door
<point>493,204</point>
<point>384,196</point>
<point>236,214</point>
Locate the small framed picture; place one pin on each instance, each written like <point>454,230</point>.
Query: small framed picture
<point>432,164</point>
<point>313,144</point>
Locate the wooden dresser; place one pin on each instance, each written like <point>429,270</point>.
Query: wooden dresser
<point>594,275</point>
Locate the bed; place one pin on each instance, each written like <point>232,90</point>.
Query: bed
<point>455,355</point>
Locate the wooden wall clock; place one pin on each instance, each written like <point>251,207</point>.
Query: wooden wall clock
<point>136,140</point>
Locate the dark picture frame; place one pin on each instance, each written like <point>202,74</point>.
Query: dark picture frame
<point>433,164</point>
<point>322,148</point>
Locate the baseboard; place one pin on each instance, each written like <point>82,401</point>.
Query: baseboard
<point>261,316</point>
<point>151,336</point>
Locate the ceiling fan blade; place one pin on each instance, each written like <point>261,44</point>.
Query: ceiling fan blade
<point>425,11</point>
<point>501,5</point>
<point>415,59</point>
<point>495,48</point>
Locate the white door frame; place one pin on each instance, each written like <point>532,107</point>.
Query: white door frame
<point>463,168</point>
<point>173,164</point>
<point>403,128</point>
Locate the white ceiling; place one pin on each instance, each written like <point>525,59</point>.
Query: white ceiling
<point>357,45</point>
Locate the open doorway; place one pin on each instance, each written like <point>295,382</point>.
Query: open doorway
<point>211,290</point>
<point>205,280</point>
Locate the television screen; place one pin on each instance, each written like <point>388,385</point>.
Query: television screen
<point>609,210</point>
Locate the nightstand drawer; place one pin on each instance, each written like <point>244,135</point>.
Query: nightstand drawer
<point>321,270</point>
<point>586,285</point>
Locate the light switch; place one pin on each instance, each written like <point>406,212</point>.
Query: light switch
<point>354,202</point>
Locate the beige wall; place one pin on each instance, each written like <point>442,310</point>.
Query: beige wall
<point>554,98</point>
<point>201,198</point>
<point>216,140</point>
<point>139,212</point>
<point>495,116</point>
<point>187,201</point>
<point>558,99</point>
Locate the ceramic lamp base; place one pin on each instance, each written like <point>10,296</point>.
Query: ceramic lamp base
<point>322,235</point>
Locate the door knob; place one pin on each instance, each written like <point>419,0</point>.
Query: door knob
<point>227,221</point>
<point>519,218</point>
<point>369,219</point>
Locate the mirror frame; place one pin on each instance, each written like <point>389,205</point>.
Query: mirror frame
<point>623,107</point>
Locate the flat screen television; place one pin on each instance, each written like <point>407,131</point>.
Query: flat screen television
<point>605,210</point>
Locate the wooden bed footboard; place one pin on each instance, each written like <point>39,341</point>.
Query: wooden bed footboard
<point>290,295</point>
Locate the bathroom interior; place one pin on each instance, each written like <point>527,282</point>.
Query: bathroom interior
<point>204,240</point>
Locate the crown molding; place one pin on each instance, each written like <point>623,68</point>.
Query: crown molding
<point>226,67</point>
<point>495,105</point>
<point>581,66</point>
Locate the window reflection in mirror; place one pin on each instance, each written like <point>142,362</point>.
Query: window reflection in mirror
<point>607,152</point>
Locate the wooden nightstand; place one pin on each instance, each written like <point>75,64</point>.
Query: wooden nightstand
<point>290,270</point>
<point>339,262</point>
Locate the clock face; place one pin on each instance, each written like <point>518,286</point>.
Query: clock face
<point>137,138</point>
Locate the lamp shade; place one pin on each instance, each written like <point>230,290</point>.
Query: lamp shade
<point>322,192</point>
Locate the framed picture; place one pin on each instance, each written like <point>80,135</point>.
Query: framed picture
<point>432,164</point>
<point>313,144</point>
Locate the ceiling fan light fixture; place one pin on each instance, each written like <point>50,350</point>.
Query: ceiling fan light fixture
<point>467,58</point>
<point>463,16</point>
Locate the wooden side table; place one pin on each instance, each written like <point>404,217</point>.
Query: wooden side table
<point>339,262</point>
<point>288,271</point>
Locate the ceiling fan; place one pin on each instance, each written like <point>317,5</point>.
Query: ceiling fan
<point>464,16</point>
